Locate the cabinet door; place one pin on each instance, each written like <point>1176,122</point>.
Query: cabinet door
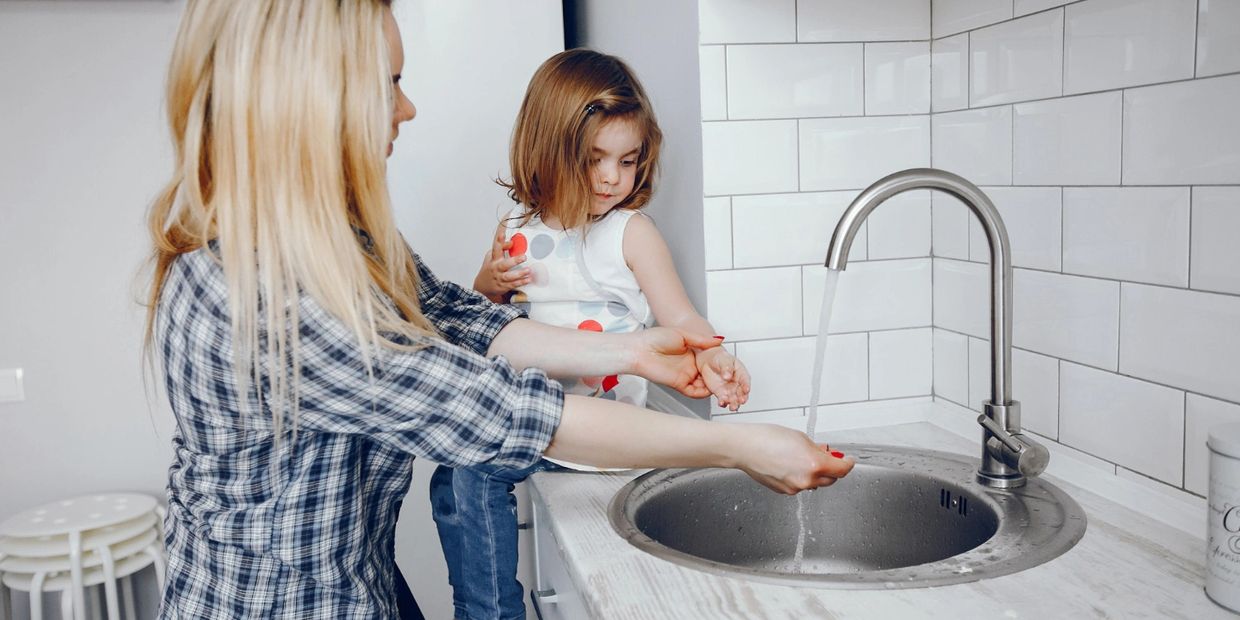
<point>554,595</point>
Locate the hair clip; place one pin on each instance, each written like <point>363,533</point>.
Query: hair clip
<point>590,109</point>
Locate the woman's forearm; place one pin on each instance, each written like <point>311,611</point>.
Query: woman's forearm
<point>604,433</point>
<point>564,352</point>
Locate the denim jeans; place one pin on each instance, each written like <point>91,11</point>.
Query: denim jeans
<point>475,512</point>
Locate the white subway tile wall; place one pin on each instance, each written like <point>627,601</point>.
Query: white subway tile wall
<point>975,144</point>
<point>1105,133</point>
<point>749,157</point>
<point>747,21</point>
<point>852,153</point>
<point>897,78</point>
<point>951,366</point>
<point>1116,43</point>
<point>1200,414</point>
<point>789,229</point>
<point>1218,37</point>
<point>712,70</point>
<point>951,16</point>
<point>1017,60</point>
<point>875,295</point>
<point>1216,239</point>
<point>1138,234</point>
<point>949,73</point>
<point>717,230</point>
<point>1068,317</point>
<point>1184,338</point>
<point>1032,216</point>
<point>1123,212</point>
<point>1132,423</point>
<point>900,363</point>
<point>863,20</point>
<point>1182,133</point>
<point>901,229</point>
<point>792,81</point>
<point>1068,141</point>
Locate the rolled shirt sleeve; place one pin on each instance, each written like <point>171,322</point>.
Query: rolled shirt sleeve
<point>444,402</point>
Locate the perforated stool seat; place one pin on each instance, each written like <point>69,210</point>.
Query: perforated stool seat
<point>71,544</point>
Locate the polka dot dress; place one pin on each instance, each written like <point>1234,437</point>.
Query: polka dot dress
<point>560,295</point>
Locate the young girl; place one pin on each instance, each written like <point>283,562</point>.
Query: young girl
<point>584,155</point>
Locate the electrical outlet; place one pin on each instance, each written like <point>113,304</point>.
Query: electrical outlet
<point>11,385</point>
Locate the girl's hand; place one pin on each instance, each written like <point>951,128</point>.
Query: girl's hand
<point>725,376</point>
<point>667,355</point>
<point>787,461</point>
<point>494,279</point>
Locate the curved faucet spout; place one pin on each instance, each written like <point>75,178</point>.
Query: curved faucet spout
<point>1007,455</point>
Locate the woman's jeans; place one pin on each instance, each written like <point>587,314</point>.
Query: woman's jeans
<point>475,512</point>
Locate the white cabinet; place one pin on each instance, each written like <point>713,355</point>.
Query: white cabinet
<point>554,595</point>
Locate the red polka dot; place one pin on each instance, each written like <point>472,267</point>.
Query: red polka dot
<point>610,382</point>
<point>590,325</point>
<point>519,245</point>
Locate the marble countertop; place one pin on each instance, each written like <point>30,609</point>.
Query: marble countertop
<point>1127,565</point>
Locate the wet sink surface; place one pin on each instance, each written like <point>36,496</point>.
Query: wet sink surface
<point>904,517</point>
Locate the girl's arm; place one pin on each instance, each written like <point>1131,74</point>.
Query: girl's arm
<point>496,278</point>
<point>663,355</point>
<point>648,257</point>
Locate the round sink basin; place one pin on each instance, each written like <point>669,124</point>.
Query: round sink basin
<point>904,518</point>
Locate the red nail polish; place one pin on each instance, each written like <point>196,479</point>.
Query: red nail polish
<point>838,455</point>
<point>719,337</point>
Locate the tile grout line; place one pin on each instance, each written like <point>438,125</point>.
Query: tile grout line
<point>992,105</point>
<point>1173,287</point>
<point>1184,445</point>
<point>1099,368</point>
<point>1196,35</point>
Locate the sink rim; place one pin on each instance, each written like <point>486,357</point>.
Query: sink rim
<point>1012,554</point>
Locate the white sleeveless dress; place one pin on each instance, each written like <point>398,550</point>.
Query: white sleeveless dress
<point>561,292</point>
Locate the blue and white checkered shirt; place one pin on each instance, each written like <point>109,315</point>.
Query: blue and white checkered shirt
<point>303,527</point>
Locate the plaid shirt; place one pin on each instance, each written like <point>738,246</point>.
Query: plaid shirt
<point>303,527</point>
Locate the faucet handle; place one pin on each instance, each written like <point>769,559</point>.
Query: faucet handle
<point>1016,450</point>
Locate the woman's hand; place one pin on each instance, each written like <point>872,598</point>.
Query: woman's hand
<point>667,355</point>
<point>786,460</point>
<point>724,375</point>
<point>496,278</point>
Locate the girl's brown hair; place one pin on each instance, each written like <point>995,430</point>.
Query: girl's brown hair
<point>570,97</point>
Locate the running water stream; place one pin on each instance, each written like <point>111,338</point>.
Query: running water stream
<point>820,350</point>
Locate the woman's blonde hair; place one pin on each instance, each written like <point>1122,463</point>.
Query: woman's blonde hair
<point>281,114</point>
<point>569,98</point>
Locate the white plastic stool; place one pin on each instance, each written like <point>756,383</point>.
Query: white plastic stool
<point>107,575</point>
<point>98,532</point>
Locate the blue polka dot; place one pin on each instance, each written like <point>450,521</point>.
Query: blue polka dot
<point>541,245</point>
<point>608,395</point>
<point>590,308</point>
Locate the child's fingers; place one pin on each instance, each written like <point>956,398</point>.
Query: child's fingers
<point>509,263</point>
<point>515,277</point>
<point>498,245</point>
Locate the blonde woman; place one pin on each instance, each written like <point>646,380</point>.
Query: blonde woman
<point>308,355</point>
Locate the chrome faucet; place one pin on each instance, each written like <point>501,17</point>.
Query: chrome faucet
<point>1008,456</point>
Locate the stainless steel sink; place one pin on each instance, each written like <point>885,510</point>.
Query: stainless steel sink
<point>904,518</point>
